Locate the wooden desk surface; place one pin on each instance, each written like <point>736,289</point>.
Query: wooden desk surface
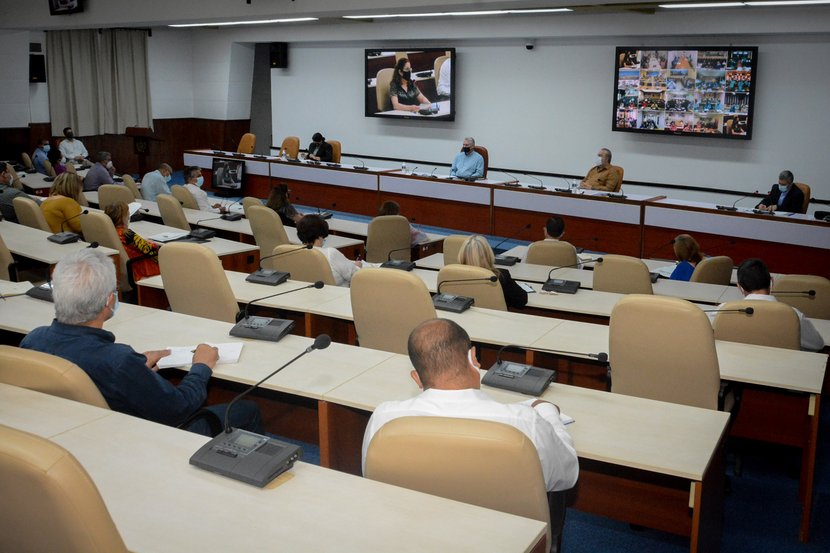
<point>306,509</point>
<point>219,245</point>
<point>32,243</point>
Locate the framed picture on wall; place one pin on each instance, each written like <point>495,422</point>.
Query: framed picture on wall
<point>64,7</point>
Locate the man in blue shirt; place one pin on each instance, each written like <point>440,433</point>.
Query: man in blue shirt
<point>85,295</point>
<point>468,164</point>
<point>101,172</point>
<point>40,156</point>
<point>155,182</point>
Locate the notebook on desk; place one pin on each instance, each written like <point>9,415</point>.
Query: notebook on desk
<point>164,237</point>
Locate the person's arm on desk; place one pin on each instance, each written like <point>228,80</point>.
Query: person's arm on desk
<point>560,464</point>
<point>153,357</point>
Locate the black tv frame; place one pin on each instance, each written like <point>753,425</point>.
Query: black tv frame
<point>56,9</point>
<point>226,191</point>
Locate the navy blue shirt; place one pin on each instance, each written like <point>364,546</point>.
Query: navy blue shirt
<point>121,373</point>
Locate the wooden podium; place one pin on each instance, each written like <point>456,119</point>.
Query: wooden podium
<point>142,136</point>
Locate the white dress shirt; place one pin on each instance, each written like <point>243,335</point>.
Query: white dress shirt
<point>811,340</point>
<point>72,148</point>
<point>201,198</point>
<point>341,267</point>
<point>153,184</point>
<point>541,424</point>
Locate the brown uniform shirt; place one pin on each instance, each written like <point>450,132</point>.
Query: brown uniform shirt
<point>600,178</point>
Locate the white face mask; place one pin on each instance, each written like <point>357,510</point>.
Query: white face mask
<point>109,164</point>
<point>598,161</point>
<point>200,181</point>
<point>166,178</point>
<point>782,188</point>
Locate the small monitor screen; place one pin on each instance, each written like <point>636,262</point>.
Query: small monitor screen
<point>64,7</point>
<point>227,174</point>
<point>410,84</point>
<point>685,91</point>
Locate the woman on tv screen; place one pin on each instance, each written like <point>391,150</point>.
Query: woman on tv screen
<point>405,94</point>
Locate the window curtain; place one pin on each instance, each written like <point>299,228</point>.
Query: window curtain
<point>98,81</point>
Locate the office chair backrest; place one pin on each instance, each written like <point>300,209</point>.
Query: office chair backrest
<point>805,189</point>
<point>388,235</point>
<point>480,462</point>
<point>268,230</point>
<point>452,246</point>
<point>184,196</point>
<point>15,182</point>
<point>382,83</point>
<point>247,143</point>
<point>816,306</point>
<point>27,161</point>
<point>6,261</point>
<point>771,324</point>
<point>195,282</point>
<point>70,168</point>
<point>303,264</point>
<point>248,201</point>
<point>48,374</point>
<point>486,294</point>
<point>552,253</point>
<point>29,213</point>
<point>109,194</point>
<point>336,150</point>
<point>129,182</point>
<point>50,171</point>
<point>621,172</point>
<point>387,305</point>
<point>98,227</point>
<point>436,73</point>
<point>290,147</point>
<point>486,155</point>
<point>42,481</point>
<point>171,212</point>
<point>622,274</point>
<point>714,270</point>
<point>663,348</point>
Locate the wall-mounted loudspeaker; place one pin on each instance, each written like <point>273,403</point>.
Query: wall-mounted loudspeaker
<point>279,55</point>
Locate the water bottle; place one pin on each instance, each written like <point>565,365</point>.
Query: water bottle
<point>403,167</point>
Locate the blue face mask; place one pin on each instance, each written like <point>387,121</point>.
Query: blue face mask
<point>200,181</point>
<point>167,178</point>
<point>782,188</point>
<point>46,148</point>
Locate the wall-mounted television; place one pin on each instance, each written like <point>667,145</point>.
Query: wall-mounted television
<point>64,7</point>
<point>228,175</point>
<point>410,83</point>
<point>685,91</point>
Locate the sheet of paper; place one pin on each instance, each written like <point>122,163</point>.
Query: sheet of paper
<point>134,207</point>
<point>526,287</point>
<point>183,355</point>
<point>167,236</point>
<point>565,418</point>
<point>14,288</point>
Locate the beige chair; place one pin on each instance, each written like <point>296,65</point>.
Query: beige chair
<point>290,147</point>
<point>805,189</point>
<point>195,282</point>
<point>247,143</point>
<point>436,66</point>
<point>664,349</point>
<point>480,462</point>
<point>336,150</point>
<point>303,264</point>
<point>50,171</point>
<point>98,227</point>
<point>714,270</point>
<point>486,155</point>
<point>171,212</point>
<point>382,83</point>
<point>109,194</point>
<point>387,305</point>
<point>27,161</point>
<point>816,306</point>
<point>29,214</point>
<point>621,172</point>
<point>771,324</point>
<point>50,503</point>
<point>622,274</point>
<point>452,245</point>
<point>48,374</point>
<point>552,253</point>
<point>388,235</point>
<point>70,168</point>
<point>486,294</point>
<point>184,196</point>
<point>129,182</point>
<point>7,267</point>
<point>15,182</point>
<point>248,201</point>
<point>268,230</point>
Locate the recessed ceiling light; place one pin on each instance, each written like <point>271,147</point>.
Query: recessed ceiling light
<point>257,22</point>
<point>703,5</point>
<point>457,14</point>
<point>787,3</point>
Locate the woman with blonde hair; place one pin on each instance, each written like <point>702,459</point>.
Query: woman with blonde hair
<point>134,245</point>
<point>687,252</point>
<point>475,251</point>
<point>62,209</point>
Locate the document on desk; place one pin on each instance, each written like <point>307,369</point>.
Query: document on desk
<point>565,418</point>
<point>182,356</point>
<point>14,288</point>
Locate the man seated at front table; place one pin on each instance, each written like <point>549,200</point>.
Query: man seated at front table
<point>601,176</point>
<point>8,193</point>
<point>72,149</point>
<point>448,374</point>
<point>784,196</point>
<point>755,283</point>
<point>193,182</point>
<point>468,164</point>
<point>155,182</point>
<point>319,149</point>
<point>101,172</point>
<point>86,296</point>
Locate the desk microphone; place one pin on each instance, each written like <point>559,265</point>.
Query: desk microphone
<point>565,286</point>
<point>735,203</point>
<point>658,248</point>
<point>602,357</point>
<point>66,237</point>
<point>269,276</point>
<point>433,175</point>
<point>228,216</point>
<point>93,245</point>
<point>509,260</point>
<point>514,236</point>
<point>454,303</point>
<point>413,170</point>
<point>541,184</point>
<point>514,182</point>
<point>246,456</point>
<point>745,310</point>
<point>810,293</point>
<point>568,190</point>
<point>401,264</point>
<point>362,164</point>
<point>265,328</point>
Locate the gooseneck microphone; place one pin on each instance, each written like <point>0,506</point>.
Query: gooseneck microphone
<point>243,313</point>
<point>455,303</point>
<point>735,203</point>
<point>66,237</point>
<point>493,278</point>
<point>266,328</point>
<point>514,182</point>
<point>514,236</point>
<point>602,357</point>
<point>228,216</point>
<point>810,293</point>
<point>362,165</point>
<point>271,277</point>
<point>658,248</point>
<point>745,310</point>
<point>400,264</point>
<point>565,286</point>
<point>541,184</point>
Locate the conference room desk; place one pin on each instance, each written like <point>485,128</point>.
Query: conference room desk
<point>36,183</point>
<point>159,502</point>
<point>32,243</point>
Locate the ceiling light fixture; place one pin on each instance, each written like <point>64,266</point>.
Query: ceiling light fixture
<point>457,14</point>
<point>257,22</point>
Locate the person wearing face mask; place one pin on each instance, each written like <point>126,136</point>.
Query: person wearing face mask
<point>602,176</point>
<point>8,193</point>
<point>72,149</point>
<point>156,182</point>
<point>784,196</point>
<point>319,149</point>
<point>101,172</point>
<point>403,91</point>
<point>193,182</point>
<point>468,164</point>
<point>85,295</point>
<point>40,155</point>
<point>312,230</point>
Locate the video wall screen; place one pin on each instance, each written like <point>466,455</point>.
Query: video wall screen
<point>410,83</point>
<point>228,174</point>
<point>685,91</point>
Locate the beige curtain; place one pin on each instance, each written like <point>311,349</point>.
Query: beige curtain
<point>98,81</point>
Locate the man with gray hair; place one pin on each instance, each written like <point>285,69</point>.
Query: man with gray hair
<point>784,196</point>
<point>86,296</point>
<point>101,172</point>
<point>468,164</point>
<point>603,175</point>
<point>155,182</point>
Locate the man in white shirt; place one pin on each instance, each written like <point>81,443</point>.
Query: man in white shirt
<point>72,149</point>
<point>448,373</point>
<point>155,182</point>
<point>312,230</point>
<point>193,182</point>
<point>755,283</point>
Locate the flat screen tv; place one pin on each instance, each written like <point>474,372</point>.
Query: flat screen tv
<point>685,91</point>
<point>63,7</point>
<point>228,175</point>
<point>426,91</point>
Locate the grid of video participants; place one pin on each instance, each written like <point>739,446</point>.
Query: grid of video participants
<point>685,91</point>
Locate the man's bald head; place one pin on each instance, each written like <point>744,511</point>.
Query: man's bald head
<point>438,350</point>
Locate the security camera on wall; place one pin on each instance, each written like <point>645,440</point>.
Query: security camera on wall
<point>64,7</point>
<point>530,45</point>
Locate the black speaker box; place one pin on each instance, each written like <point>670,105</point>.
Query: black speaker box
<point>37,68</point>
<point>278,55</point>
